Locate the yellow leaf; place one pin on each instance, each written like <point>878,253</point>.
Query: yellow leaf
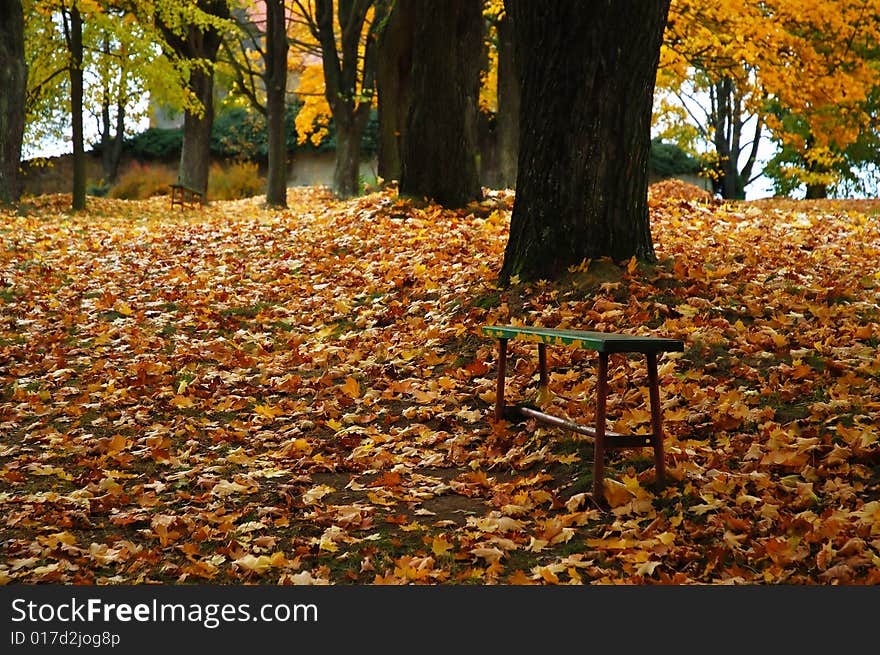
<point>269,411</point>
<point>316,493</point>
<point>440,546</point>
<point>253,563</point>
<point>181,402</point>
<point>491,555</point>
<point>647,568</point>
<point>616,493</point>
<point>351,388</point>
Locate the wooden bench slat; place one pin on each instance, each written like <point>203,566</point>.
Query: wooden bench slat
<point>183,195</point>
<point>603,342</point>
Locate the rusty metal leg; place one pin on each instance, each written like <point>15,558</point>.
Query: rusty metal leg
<point>599,447</point>
<point>656,419</point>
<point>542,364</point>
<point>502,372</point>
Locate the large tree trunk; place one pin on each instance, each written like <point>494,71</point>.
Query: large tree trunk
<point>75,44</point>
<point>346,174</point>
<point>816,191</point>
<point>439,153</point>
<point>587,74</point>
<point>13,82</point>
<point>193,42</point>
<point>195,153</point>
<point>394,65</point>
<point>276,103</point>
<point>507,116</point>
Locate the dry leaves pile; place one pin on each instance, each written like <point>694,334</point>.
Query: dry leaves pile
<point>239,395</point>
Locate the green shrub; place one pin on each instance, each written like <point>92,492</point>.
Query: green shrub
<point>669,160</point>
<point>238,180</point>
<point>156,143</point>
<point>142,181</point>
<point>238,133</point>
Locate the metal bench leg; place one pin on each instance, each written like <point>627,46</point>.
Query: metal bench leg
<point>502,371</point>
<point>599,447</point>
<point>542,364</point>
<point>656,419</point>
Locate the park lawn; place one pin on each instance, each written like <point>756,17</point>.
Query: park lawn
<point>243,395</point>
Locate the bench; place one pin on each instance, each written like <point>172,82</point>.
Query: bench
<point>186,196</point>
<point>605,344</point>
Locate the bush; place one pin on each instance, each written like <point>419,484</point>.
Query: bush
<point>155,143</point>
<point>238,133</point>
<point>238,180</point>
<point>669,160</point>
<point>142,181</point>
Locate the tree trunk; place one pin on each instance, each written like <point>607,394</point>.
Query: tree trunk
<point>13,81</point>
<point>816,191</point>
<point>346,173</point>
<point>507,116</point>
<point>76,109</point>
<point>111,146</point>
<point>394,65</point>
<point>349,105</point>
<point>276,103</point>
<point>587,74</point>
<point>195,153</point>
<point>118,142</point>
<point>193,42</point>
<point>439,153</point>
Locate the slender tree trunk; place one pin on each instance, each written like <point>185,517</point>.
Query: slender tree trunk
<point>507,116</point>
<point>439,153</point>
<point>394,65</point>
<point>276,103</point>
<point>350,107</point>
<point>118,141</point>
<point>587,74</point>
<point>76,109</point>
<point>111,146</point>
<point>13,82</point>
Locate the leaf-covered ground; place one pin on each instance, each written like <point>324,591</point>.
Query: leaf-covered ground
<point>239,395</point>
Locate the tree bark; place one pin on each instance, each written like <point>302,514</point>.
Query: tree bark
<point>350,107</point>
<point>394,86</point>
<point>346,173</point>
<point>111,146</point>
<point>13,81</point>
<point>73,27</point>
<point>439,150</point>
<point>587,73</point>
<point>276,103</point>
<point>195,152</point>
<point>816,192</point>
<point>507,116</point>
<point>196,43</point>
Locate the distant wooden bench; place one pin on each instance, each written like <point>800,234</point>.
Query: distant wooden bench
<point>604,343</point>
<point>186,196</point>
